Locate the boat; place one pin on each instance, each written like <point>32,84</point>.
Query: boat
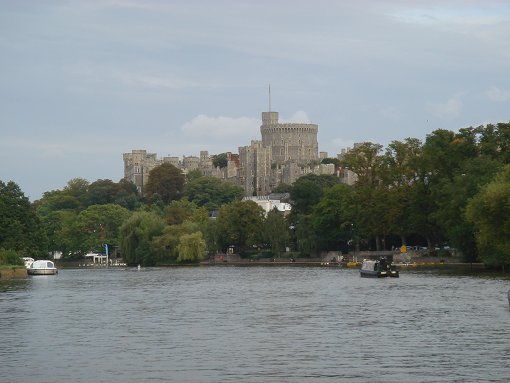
<point>393,272</point>
<point>28,261</point>
<point>378,269</point>
<point>42,267</point>
<point>373,269</point>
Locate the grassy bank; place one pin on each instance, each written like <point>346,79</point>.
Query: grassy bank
<point>12,272</point>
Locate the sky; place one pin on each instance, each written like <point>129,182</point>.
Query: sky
<point>82,82</point>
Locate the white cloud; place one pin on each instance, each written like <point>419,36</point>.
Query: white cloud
<point>298,117</point>
<point>497,94</point>
<point>206,127</point>
<point>449,109</point>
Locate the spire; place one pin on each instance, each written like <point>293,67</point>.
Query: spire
<point>269,96</point>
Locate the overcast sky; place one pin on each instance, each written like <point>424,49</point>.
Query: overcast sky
<point>82,82</point>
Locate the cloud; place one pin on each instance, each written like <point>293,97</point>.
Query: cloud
<point>298,117</point>
<point>205,127</point>
<point>449,109</point>
<point>498,95</point>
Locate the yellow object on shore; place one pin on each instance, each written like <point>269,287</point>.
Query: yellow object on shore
<point>352,264</point>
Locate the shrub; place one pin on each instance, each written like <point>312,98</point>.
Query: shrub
<point>10,257</point>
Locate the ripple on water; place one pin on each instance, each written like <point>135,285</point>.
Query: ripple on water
<point>253,325</point>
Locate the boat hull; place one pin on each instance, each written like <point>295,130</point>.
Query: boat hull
<point>373,274</point>
<point>393,274</point>
<point>42,271</point>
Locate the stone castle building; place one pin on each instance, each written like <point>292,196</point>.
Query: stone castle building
<point>286,152</point>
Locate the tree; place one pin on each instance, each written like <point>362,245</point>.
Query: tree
<point>308,191</point>
<point>177,212</point>
<point>401,171</point>
<point>77,188</point>
<point>167,181</point>
<point>100,224</point>
<point>20,227</point>
<point>212,192</point>
<point>165,245</point>
<point>136,235</point>
<point>282,188</point>
<point>334,217</point>
<point>62,234</point>
<point>101,192</point>
<point>489,211</point>
<point>220,160</point>
<point>126,195</point>
<point>276,231</point>
<point>239,225</point>
<point>364,160</point>
<point>191,247</point>
<point>193,175</point>
<point>334,161</point>
<point>123,193</point>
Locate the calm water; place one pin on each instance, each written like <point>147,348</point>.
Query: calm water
<point>256,324</point>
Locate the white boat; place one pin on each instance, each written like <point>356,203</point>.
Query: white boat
<point>28,261</point>
<point>42,267</point>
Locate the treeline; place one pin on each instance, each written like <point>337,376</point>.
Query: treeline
<point>451,191</point>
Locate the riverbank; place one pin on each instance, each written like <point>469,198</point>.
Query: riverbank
<point>12,272</point>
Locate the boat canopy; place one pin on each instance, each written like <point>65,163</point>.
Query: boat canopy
<point>42,264</point>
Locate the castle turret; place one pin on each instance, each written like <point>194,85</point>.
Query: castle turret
<point>294,142</point>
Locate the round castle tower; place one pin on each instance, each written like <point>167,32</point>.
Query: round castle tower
<point>289,142</point>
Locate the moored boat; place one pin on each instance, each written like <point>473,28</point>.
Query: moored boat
<point>373,269</point>
<point>42,267</point>
<point>28,261</point>
<point>378,269</point>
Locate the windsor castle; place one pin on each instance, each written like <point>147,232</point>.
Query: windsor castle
<point>286,152</point>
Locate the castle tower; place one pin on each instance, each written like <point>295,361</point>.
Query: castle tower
<point>289,142</point>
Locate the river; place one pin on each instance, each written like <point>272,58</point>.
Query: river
<point>253,324</point>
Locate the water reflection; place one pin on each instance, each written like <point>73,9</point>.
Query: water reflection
<point>253,325</point>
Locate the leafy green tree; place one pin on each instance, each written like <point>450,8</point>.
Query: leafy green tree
<point>240,224</point>
<point>452,197</point>
<point>220,160</point>
<point>77,188</point>
<point>334,217</point>
<point>165,245</point>
<point>401,170</point>
<point>101,192</point>
<point>489,211</point>
<point>334,161</point>
<point>193,175</point>
<point>136,235</point>
<point>126,195</point>
<point>20,227</point>
<point>62,234</point>
<point>306,238</point>
<point>282,188</point>
<point>308,191</point>
<point>167,181</point>
<point>57,200</point>
<point>177,212</point>
<point>494,141</point>
<point>365,161</point>
<point>99,225</point>
<point>10,257</point>
<point>276,231</point>
<point>191,247</point>
<point>211,192</point>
